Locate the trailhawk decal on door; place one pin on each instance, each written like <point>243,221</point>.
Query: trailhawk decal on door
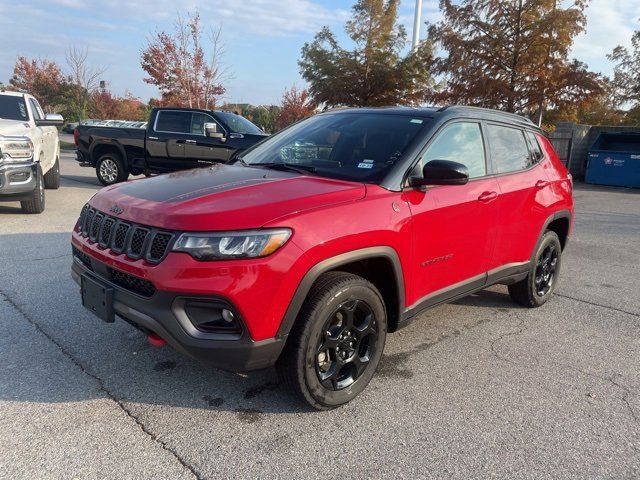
<point>431,261</point>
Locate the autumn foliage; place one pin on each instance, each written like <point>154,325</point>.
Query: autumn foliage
<point>375,72</point>
<point>512,55</point>
<point>296,105</point>
<point>177,63</point>
<point>43,79</point>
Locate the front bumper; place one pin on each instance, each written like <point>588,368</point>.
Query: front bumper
<point>162,314</point>
<point>17,180</point>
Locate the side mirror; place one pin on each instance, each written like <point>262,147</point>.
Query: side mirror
<point>50,120</point>
<point>441,172</point>
<point>211,130</point>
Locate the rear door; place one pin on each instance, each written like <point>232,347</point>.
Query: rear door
<point>454,226</point>
<point>525,193</point>
<point>166,140</point>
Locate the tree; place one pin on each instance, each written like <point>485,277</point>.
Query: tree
<point>84,79</point>
<point>179,66</point>
<point>374,73</point>
<point>512,55</point>
<point>626,77</point>
<point>41,78</point>
<point>296,105</point>
<point>104,105</point>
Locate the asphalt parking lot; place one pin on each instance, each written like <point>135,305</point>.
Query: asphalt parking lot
<point>473,389</point>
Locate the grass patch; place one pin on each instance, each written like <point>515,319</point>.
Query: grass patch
<point>67,145</point>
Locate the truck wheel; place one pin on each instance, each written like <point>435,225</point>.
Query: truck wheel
<point>135,171</point>
<point>542,279</point>
<point>110,169</point>
<point>336,343</point>
<point>52,177</point>
<point>35,204</point>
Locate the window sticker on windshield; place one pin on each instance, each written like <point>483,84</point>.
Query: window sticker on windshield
<point>23,110</point>
<point>416,120</point>
<point>366,164</point>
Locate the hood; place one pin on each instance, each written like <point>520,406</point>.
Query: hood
<point>13,128</point>
<point>222,197</point>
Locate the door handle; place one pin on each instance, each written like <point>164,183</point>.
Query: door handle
<point>541,184</point>
<point>487,197</point>
<point>190,141</point>
<point>152,138</point>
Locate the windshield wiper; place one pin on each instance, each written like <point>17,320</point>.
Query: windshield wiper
<point>293,167</point>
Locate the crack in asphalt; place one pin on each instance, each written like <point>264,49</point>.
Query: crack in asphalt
<point>102,387</point>
<point>521,328</point>
<point>626,391</point>
<point>597,304</point>
<point>50,258</point>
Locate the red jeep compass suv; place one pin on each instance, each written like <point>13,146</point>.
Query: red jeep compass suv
<point>318,241</point>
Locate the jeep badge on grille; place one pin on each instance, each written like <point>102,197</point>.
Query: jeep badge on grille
<point>116,209</point>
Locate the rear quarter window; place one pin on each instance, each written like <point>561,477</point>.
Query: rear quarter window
<point>173,122</point>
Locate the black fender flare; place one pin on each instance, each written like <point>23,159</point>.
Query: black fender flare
<point>332,263</point>
<point>554,216</point>
<point>115,145</point>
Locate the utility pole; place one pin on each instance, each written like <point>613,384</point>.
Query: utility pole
<point>416,25</point>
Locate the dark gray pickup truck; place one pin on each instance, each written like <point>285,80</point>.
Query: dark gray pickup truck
<point>175,139</point>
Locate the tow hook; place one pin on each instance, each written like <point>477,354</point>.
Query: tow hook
<point>156,340</point>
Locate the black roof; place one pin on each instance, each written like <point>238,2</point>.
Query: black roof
<point>447,111</point>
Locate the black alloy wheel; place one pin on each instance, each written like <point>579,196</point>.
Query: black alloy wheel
<point>542,280</point>
<point>336,342</point>
<point>546,270</point>
<point>347,347</point>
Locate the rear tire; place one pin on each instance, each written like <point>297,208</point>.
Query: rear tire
<point>541,282</point>
<point>52,177</point>
<point>35,204</point>
<point>336,343</point>
<point>110,169</point>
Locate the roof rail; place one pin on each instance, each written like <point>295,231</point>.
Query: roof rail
<point>486,110</point>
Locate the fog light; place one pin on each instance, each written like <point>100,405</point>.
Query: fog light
<point>228,315</point>
<point>212,317</point>
<point>19,176</point>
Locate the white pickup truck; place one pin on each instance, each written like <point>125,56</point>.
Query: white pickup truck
<point>29,151</point>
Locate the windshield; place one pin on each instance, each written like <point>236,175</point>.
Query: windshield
<point>349,146</point>
<point>13,108</point>
<point>238,124</point>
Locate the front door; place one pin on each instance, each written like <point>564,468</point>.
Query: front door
<point>201,150</point>
<point>453,226</point>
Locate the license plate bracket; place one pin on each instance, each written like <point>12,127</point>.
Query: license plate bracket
<point>97,298</point>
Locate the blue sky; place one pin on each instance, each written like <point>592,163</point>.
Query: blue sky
<point>263,38</point>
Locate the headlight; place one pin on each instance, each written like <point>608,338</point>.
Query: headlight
<point>15,149</point>
<point>228,245</point>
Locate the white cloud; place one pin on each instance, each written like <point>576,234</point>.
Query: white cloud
<point>609,23</point>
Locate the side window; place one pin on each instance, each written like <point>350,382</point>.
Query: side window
<point>173,122</point>
<point>509,150</point>
<point>536,151</point>
<point>462,143</point>
<point>35,108</point>
<point>197,123</point>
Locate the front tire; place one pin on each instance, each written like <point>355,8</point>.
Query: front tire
<point>110,169</point>
<point>52,177</point>
<point>539,285</point>
<point>35,204</point>
<point>336,343</point>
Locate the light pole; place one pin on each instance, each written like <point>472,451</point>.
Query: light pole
<point>416,25</point>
